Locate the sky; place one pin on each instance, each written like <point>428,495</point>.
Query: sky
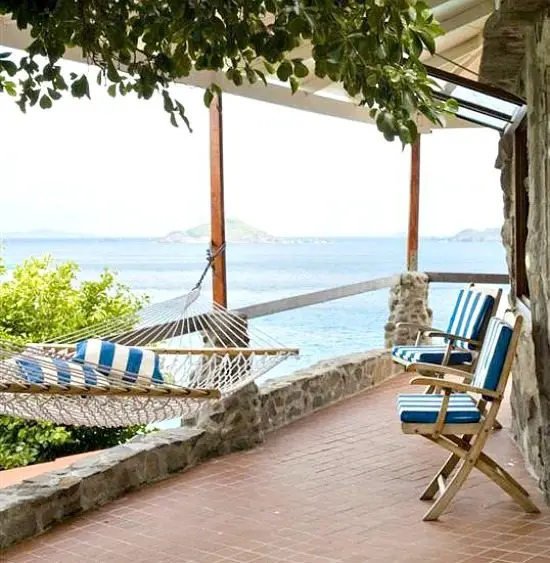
<point>116,167</point>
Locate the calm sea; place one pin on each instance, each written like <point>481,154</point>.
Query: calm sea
<point>262,272</point>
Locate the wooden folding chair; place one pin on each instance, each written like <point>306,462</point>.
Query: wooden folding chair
<point>460,423</point>
<point>463,338</point>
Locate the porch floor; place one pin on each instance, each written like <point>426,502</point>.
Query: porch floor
<point>341,485</point>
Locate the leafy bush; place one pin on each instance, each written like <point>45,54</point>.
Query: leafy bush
<point>23,442</point>
<point>43,299</point>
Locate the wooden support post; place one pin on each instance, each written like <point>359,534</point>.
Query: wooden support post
<point>217,203</point>
<point>414,207</point>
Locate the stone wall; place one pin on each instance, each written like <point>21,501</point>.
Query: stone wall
<point>289,398</point>
<point>408,303</point>
<point>537,81</point>
<point>517,57</point>
<point>236,423</point>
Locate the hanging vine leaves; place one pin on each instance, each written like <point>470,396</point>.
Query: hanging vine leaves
<point>371,47</point>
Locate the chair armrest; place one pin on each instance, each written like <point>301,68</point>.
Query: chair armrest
<point>454,386</point>
<point>452,337</point>
<point>435,368</point>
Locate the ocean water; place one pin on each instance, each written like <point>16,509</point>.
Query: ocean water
<point>263,272</point>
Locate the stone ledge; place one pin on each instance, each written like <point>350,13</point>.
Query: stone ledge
<point>30,507</point>
<point>305,391</point>
<point>238,422</point>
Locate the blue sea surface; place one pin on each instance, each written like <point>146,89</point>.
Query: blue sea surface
<point>262,272</point>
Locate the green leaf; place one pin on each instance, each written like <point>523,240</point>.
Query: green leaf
<point>428,40</point>
<point>237,77</point>
<point>269,67</point>
<point>284,71</point>
<point>294,84</point>
<point>111,90</point>
<point>208,97</point>
<point>80,87</point>
<point>112,73</point>
<point>372,80</point>
<point>300,69</point>
<point>54,95</point>
<point>10,90</point>
<point>9,67</point>
<point>452,105</point>
<point>251,76</point>
<point>261,75</point>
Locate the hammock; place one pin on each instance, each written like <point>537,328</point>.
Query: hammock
<point>166,361</point>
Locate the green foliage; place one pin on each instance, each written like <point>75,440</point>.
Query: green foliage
<point>23,442</point>
<point>371,47</point>
<point>41,300</point>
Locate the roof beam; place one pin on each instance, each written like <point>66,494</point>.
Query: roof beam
<point>454,14</point>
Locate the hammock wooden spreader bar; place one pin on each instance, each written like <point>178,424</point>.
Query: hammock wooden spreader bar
<point>112,390</point>
<point>192,351</point>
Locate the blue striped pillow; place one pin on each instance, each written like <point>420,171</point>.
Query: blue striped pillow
<point>107,356</point>
<point>53,370</point>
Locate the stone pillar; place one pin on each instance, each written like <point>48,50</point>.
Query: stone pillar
<point>537,81</point>
<point>530,398</point>
<point>235,422</point>
<point>408,302</point>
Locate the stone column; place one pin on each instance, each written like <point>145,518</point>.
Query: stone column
<point>235,422</point>
<point>408,302</point>
<point>537,80</point>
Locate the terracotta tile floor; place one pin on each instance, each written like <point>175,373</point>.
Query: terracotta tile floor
<point>339,486</point>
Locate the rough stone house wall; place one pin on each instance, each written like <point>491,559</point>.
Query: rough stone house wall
<point>516,57</point>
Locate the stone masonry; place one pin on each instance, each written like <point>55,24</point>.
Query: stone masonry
<point>408,303</point>
<point>516,56</point>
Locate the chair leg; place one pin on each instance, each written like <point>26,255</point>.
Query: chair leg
<point>506,482</point>
<point>450,491</point>
<point>444,473</point>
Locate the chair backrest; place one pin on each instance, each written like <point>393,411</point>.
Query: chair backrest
<point>495,358</point>
<point>473,309</point>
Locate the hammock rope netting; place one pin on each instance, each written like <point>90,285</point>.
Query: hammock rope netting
<point>190,354</point>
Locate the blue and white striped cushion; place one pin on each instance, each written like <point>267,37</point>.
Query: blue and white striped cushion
<point>469,315</point>
<point>493,355</point>
<point>131,363</point>
<point>430,354</point>
<point>42,370</point>
<point>423,409</point>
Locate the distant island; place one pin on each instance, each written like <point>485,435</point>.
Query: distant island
<point>235,231</point>
<point>473,235</point>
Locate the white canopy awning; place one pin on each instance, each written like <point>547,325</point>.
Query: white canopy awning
<point>458,51</point>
